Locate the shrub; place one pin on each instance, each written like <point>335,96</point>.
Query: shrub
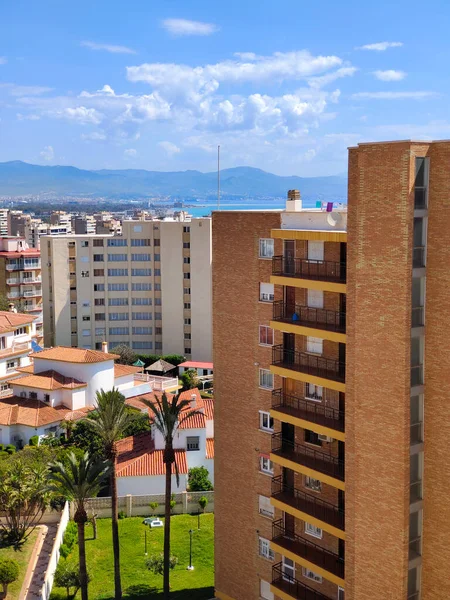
<point>67,576</point>
<point>70,537</point>
<point>198,480</point>
<point>203,503</point>
<point>64,551</point>
<point>34,440</point>
<point>4,454</point>
<point>10,449</point>
<point>2,447</point>
<point>9,572</point>
<point>153,506</point>
<point>173,502</point>
<point>121,514</point>
<point>189,379</point>
<point>156,563</point>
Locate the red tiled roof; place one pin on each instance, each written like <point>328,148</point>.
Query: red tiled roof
<point>9,320</point>
<point>209,447</point>
<point>194,364</point>
<point>122,370</point>
<point>49,380</point>
<point>209,408</point>
<point>27,369</point>
<point>74,355</point>
<point>137,458</point>
<point>34,413</point>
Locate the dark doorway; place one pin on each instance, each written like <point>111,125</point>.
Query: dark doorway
<point>289,256</point>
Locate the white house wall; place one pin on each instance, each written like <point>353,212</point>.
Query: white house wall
<point>155,484</point>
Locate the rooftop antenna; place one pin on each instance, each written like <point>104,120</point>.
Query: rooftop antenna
<point>218,177</point>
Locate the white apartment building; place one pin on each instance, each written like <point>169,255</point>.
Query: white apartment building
<point>16,333</point>
<point>149,288</point>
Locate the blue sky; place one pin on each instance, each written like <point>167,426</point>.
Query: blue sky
<point>284,85</point>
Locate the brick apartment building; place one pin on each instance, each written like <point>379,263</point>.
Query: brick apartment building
<point>323,490</point>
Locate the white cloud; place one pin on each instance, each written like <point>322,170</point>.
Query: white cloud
<point>130,153</point>
<point>185,27</point>
<point>380,46</point>
<point>79,114</point>
<point>95,136</point>
<point>21,117</point>
<point>390,75</point>
<point>108,48</point>
<point>3,60</point>
<point>169,148</point>
<point>246,55</point>
<point>323,80</point>
<point>395,95</point>
<point>24,90</point>
<point>47,153</point>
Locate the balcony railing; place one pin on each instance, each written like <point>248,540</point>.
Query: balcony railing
<point>317,366</point>
<point>156,381</point>
<point>295,588</point>
<point>420,198</point>
<point>32,293</point>
<point>322,270</point>
<point>309,410</point>
<point>12,295</point>
<point>314,459</point>
<point>417,316</point>
<point>417,375</point>
<point>319,318</point>
<point>13,281</point>
<point>416,433</point>
<point>17,347</point>
<point>32,265</point>
<point>329,561</point>
<point>415,491</point>
<point>307,503</point>
<point>418,257</point>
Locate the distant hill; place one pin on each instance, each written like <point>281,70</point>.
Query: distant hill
<point>19,178</point>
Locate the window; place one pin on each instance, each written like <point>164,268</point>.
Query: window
<point>311,575</point>
<point>11,364</point>
<point>158,302</point>
<point>265,335</point>
<point>117,242</point>
<point>314,392</point>
<point>144,242</point>
<point>266,292</point>
<point>187,305</point>
<point>157,272</point>
<point>186,275</point>
<point>193,443</point>
<point>97,243</point>
<point>313,484</point>
<point>315,298</point>
<point>99,257</point>
<point>140,257</point>
<point>265,464</point>
<point>118,302</point>
<point>265,421</point>
<point>288,569</point>
<point>117,257</point>
<point>99,287</point>
<point>265,508</point>
<point>142,345</point>
<point>341,593</point>
<point>20,331</point>
<point>141,301</point>
<point>118,316</point>
<point>70,245</point>
<point>84,259</point>
<point>86,303</point>
<point>84,244</point>
<point>264,590</point>
<point>186,290</point>
<point>314,345</point>
<point>156,242</point>
<point>266,248</point>
<point>265,379</point>
<point>137,228</point>
<point>100,316</point>
<point>313,530</point>
<point>86,318</point>
<point>157,287</point>
<point>117,272</point>
<point>141,316</point>
<point>86,332</point>
<point>187,336</point>
<point>141,272</point>
<point>142,331</point>
<point>158,316</point>
<point>117,287</point>
<point>187,260</point>
<point>84,273</point>
<point>99,272</point>
<point>100,331</point>
<point>186,229</point>
<point>158,330</point>
<point>316,251</point>
<point>46,397</point>
<point>265,550</point>
<point>141,287</point>
<point>312,438</point>
<point>157,257</point>
<point>119,331</point>
<point>186,245</point>
<point>158,345</point>
<point>187,321</point>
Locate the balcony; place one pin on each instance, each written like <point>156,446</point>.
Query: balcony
<point>317,318</point>
<point>295,588</point>
<point>13,267</point>
<point>418,257</point>
<point>307,503</point>
<point>313,553</point>
<point>313,459</point>
<point>308,410</point>
<point>13,281</point>
<point>311,364</point>
<point>417,316</point>
<point>12,295</point>
<point>32,307</point>
<point>302,268</point>
<point>17,347</point>
<point>32,293</point>
<point>27,280</point>
<point>157,382</point>
<point>31,265</point>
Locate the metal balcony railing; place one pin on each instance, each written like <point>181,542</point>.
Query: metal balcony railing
<point>415,491</point>
<point>317,366</point>
<point>319,318</point>
<point>314,459</point>
<point>416,433</point>
<point>417,375</point>
<point>309,410</point>
<point>322,270</point>
<point>418,257</point>
<point>295,588</point>
<point>307,503</point>
<point>418,316</point>
<point>329,561</point>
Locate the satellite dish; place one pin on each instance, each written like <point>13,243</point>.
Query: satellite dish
<point>333,218</point>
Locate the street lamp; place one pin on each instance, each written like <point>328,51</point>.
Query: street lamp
<point>191,566</point>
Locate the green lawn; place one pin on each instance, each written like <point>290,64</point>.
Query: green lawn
<point>137,581</point>
<point>22,556</point>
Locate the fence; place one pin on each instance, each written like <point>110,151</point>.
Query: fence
<point>54,556</point>
<point>138,506</point>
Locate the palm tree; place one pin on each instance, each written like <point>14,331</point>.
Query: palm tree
<point>110,422</point>
<point>167,416</point>
<point>79,480</point>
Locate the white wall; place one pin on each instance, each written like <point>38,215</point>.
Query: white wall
<point>155,484</point>
<point>209,428</point>
<point>209,464</point>
<point>313,219</point>
<point>172,284</point>
<point>201,289</point>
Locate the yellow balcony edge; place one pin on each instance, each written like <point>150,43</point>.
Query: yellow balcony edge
<point>312,284</point>
<point>305,377</point>
<point>280,594</point>
<point>333,336</point>
<point>309,234</point>
<point>308,518</point>
<point>294,466</point>
<point>305,424</point>
<point>307,564</point>
<point>222,596</point>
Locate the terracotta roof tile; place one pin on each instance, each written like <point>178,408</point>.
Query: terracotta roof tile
<point>34,413</point>
<point>10,320</point>
<point>74,355</point>
<point>194,364</point>
<point>27,369</point>
<point>49,380</point>
<point>122,370</point>
<point>209,408</point>
<point>137,458</point>
<point>210,448</point>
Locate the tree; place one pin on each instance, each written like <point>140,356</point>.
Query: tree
<point>5,302</point>
<point>127,356</point>
<point>112,419</point>
<point>167,416</point>
<point>24,496</point>
<point>153,507</point>
<point>189,379</point>
<point>203,502</point>
<point>78,481</point>
<point>67,575</point>
<point>9,572</point>
<point>198,480</point>
<point>156,563</point>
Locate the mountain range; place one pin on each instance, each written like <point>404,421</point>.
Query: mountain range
<point>19,178</point>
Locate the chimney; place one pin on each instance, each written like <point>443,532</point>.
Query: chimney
<point>12,308</point>
<point>294,201</point>
<point>105,347</point>
<point>193,400</point>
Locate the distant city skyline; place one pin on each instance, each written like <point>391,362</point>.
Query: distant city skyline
<point>280,86</point>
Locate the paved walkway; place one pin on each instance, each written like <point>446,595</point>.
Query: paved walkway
<point>39,562</point>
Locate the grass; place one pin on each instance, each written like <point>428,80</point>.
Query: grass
<point>137,580</point>
<point>22,556</point>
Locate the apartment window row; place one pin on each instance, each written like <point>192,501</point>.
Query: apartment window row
<point>141,242</point>
<point>141,287</point>
<point>142,345</point>
<point>142,316</point>
<point>117,272</point>
<point>117,287</point>
<point>117,242</point>
<point>141,272</point>
<point>119,331</point>
<point>118,316</point>
<point>142,330</point>
<point>137,257</point>
<point>99,257</point>
<point>117,257</point>
<point>118,302</point>
<point>99,272</point>
<point>141,301</point>
<point>99,287</point>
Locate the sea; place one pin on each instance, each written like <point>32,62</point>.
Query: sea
<point>205,207</point>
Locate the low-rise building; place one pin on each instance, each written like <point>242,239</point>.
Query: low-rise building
<point>16,333</point>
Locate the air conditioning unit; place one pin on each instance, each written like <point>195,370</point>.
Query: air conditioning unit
<point>325,438</point>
